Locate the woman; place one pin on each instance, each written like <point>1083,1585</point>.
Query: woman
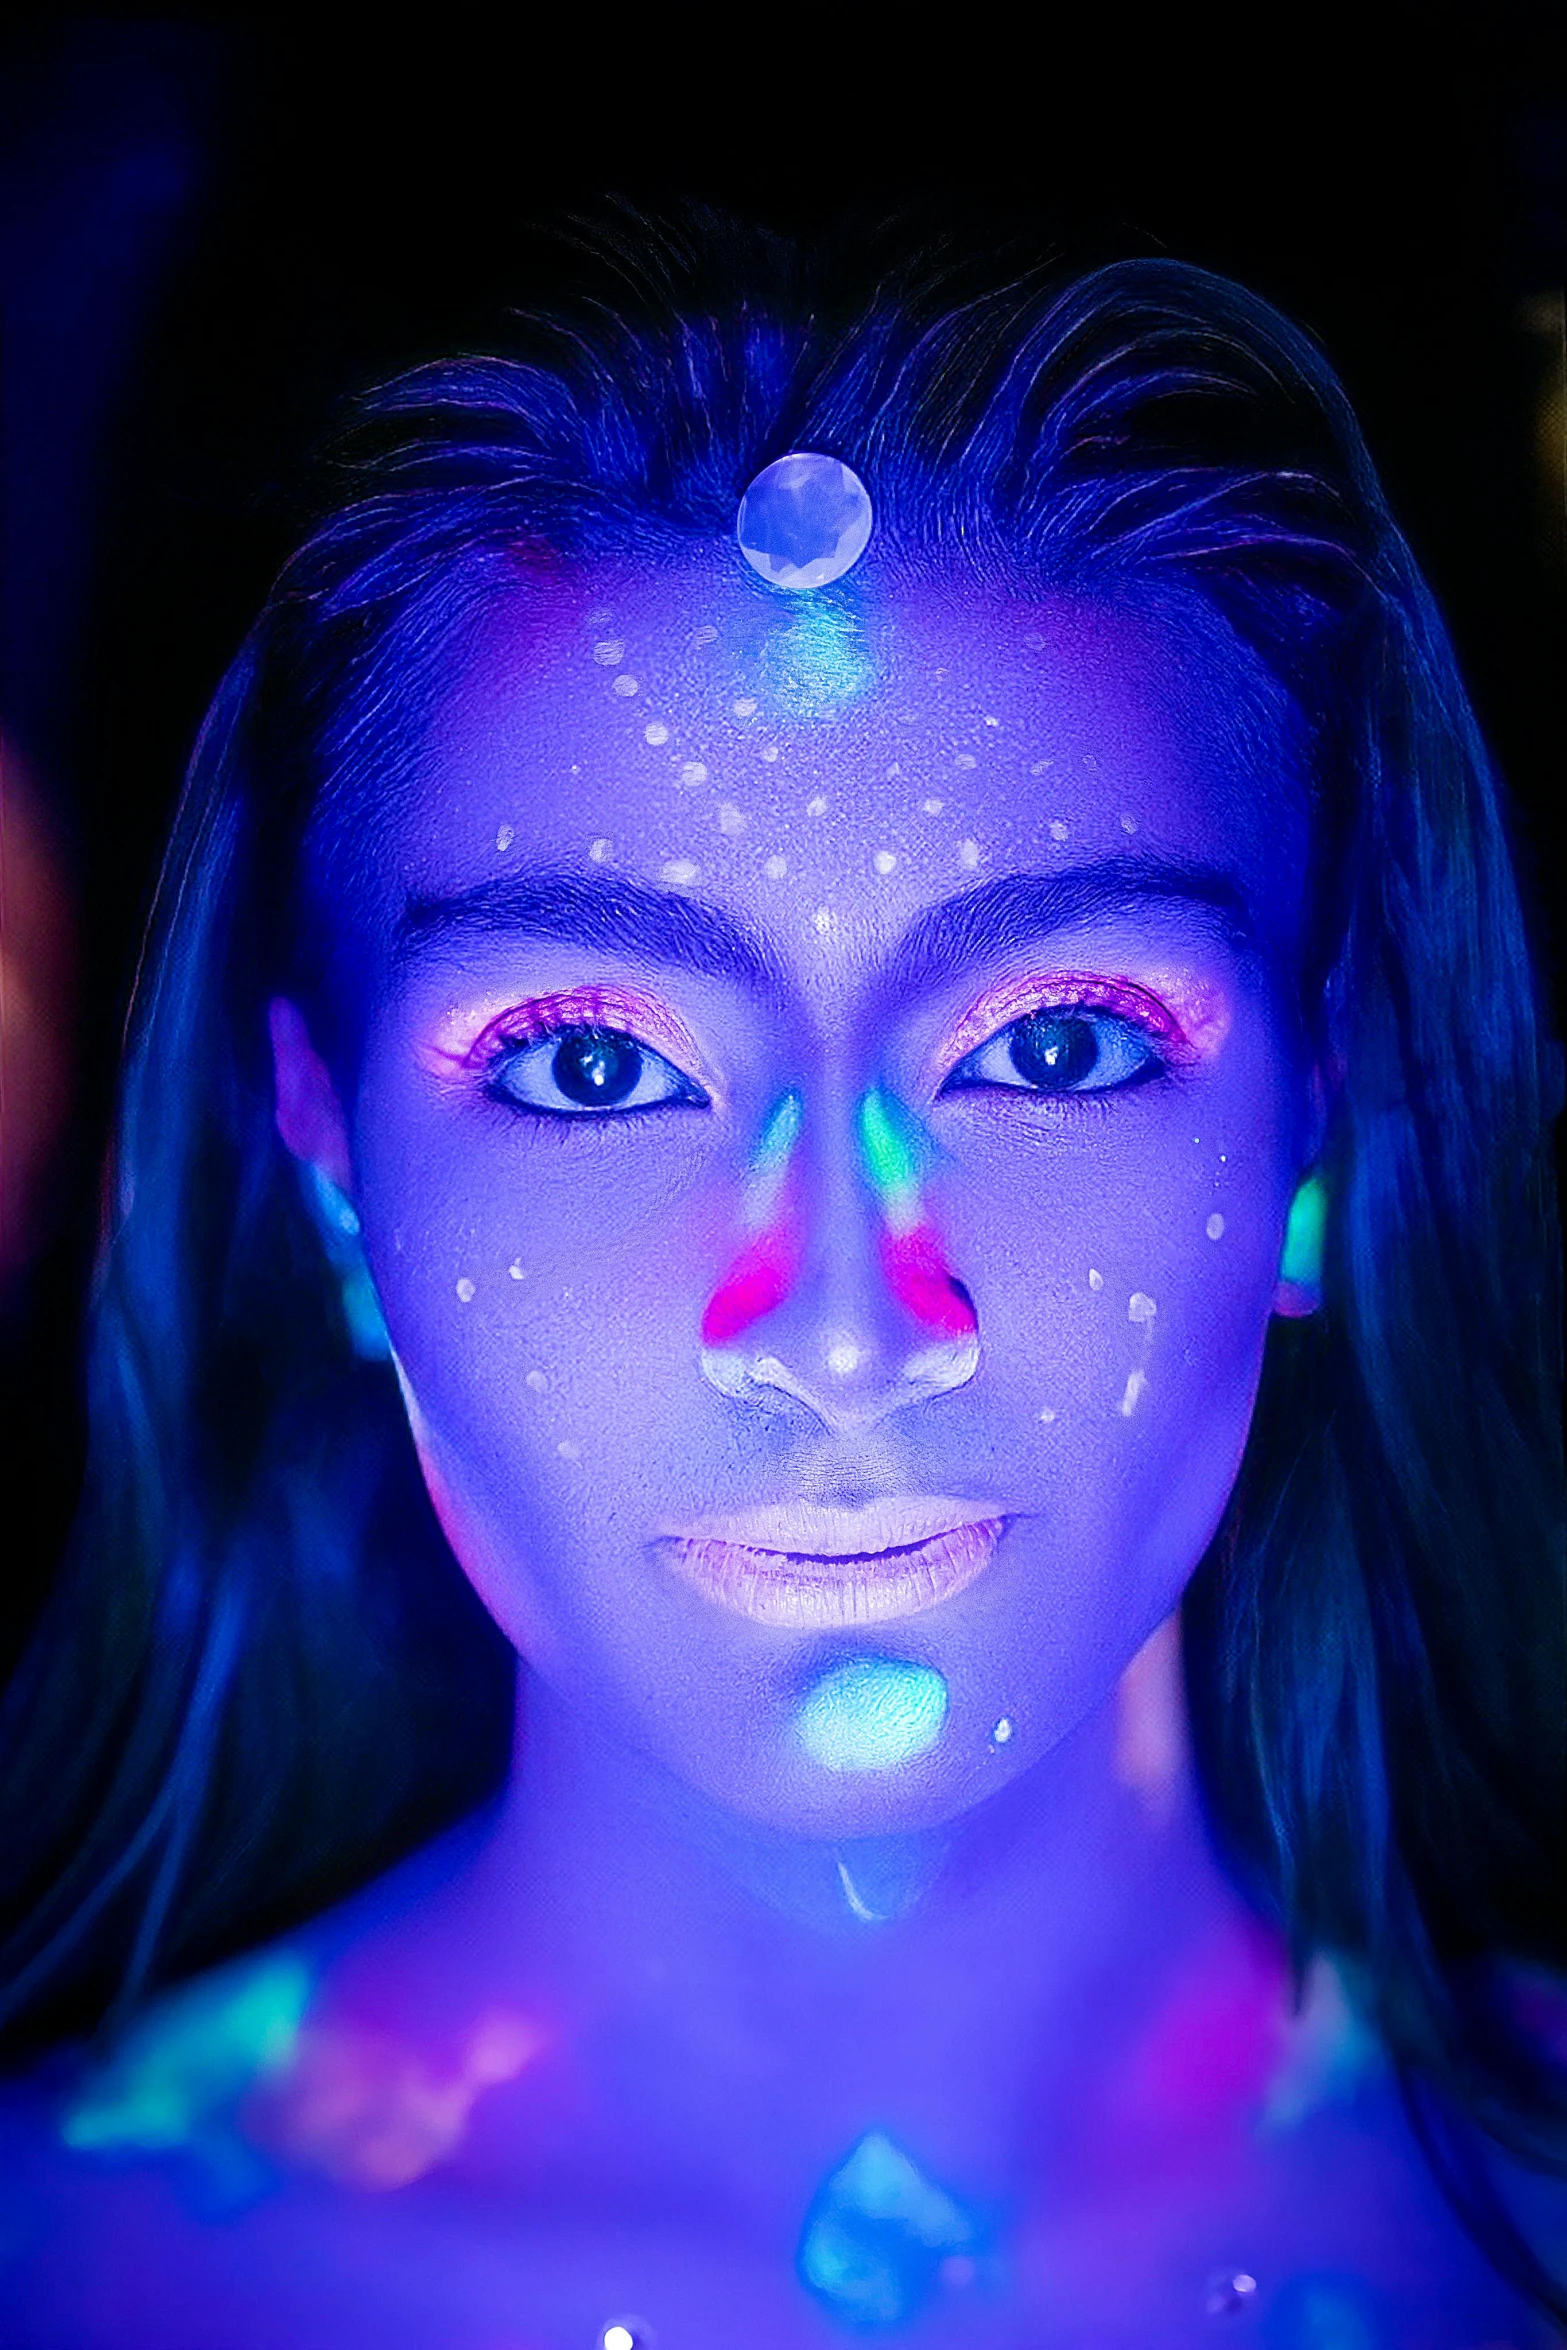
<point>899,1071</point>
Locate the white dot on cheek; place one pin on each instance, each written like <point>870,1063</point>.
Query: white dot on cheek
<point>1140,1307</point>
<point>504,838</point>
<point>1047,1413</point>
<point>823,920</point>
<point>465,1290</point>
<point>1215,1226</point>
<point>776,868</point>
<point>1058,830</point>
<point>968,854</point>
<point>609,653</point>
<point>680,872</point>
<point>625,685</point>
<point>598,850</point>
<point>655,732</point>
<point>816,807</point>
<point>693,773</point>
<point>517,1269</point>
<point>1095,1280</point>
<point>933,807</point>
<point>884,861</point>
<point>569,1451</point>
<point>537,1381</point>
<point>731,821</point>
<point>1136,1381</point>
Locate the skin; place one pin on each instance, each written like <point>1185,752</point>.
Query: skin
<point>600,2052</point>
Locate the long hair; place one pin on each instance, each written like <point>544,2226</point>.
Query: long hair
<point>262,1676</point>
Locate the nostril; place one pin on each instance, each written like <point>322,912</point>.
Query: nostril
<point>918,1275</point>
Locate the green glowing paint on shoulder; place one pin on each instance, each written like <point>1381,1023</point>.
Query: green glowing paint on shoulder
<point>196,2054</point>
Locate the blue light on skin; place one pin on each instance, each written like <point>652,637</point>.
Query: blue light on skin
<point>872,1714</point>
<point>818,663</point>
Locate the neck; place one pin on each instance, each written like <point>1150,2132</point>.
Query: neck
<point>942,1985</point>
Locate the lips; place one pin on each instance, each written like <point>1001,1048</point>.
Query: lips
<point>807,1567</point>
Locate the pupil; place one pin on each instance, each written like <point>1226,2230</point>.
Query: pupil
<point>1054,1052</point>
<point>594,1067</point>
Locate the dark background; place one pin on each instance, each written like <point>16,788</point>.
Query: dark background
<point>212,229</point>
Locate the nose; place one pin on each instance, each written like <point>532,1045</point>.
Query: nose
<point>841,1298</point>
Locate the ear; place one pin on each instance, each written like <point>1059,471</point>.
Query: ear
<point>309,1115</point>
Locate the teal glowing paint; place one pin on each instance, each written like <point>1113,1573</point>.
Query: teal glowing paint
<point>891,1153</point>
<point>195,2056</point>
<point>1301,1261</point>
<point>818,662</point>
<point>877,2234</point>
<point>872,1714</point>
<point>770,1160</point>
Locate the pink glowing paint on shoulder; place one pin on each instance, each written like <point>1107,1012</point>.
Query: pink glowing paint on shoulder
<point>762,1275</point>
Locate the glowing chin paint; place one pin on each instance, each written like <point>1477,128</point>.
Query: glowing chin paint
<point>764,1272</point>
<point>872,1714</point>
<point>914,1262</point>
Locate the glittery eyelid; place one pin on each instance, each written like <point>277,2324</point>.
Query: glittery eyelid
<point>1002,1006</point>
<point>538,1017</point>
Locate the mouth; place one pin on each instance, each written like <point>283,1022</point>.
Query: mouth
<point>807,1567</point>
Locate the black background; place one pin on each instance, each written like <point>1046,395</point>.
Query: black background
<point>212,229</point>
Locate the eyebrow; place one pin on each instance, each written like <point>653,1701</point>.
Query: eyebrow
<point>609,911</point>
<point>1017,909</point>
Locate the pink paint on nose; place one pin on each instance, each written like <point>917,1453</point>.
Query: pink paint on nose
<point>759,1280</point>
<point>916,1270</point>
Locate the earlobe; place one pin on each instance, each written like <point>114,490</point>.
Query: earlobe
<point>309,1117</point>
<point>1299,1288</point>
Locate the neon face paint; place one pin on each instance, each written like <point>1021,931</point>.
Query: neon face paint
<point>872,1714</point>
<point>914,1262</point>
<point>764,1272</point>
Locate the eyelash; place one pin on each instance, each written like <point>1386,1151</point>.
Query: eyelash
<point>585,1014</point>
<point>1132,1014</point>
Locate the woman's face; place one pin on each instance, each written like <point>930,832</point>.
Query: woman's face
<point>828,1115</point>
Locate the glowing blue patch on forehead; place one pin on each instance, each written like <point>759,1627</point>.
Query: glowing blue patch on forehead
<point>872,1714</point>
<point>818,663</point>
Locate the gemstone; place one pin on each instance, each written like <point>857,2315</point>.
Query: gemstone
<point>804,521</point>
<point>881,2241</point>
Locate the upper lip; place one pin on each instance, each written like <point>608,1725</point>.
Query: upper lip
<point>810,1529</point>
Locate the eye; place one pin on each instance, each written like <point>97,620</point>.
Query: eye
<point>1063,1049</point>
<point>575,1072</point>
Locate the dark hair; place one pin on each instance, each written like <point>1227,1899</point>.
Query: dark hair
<point>245,1697</point>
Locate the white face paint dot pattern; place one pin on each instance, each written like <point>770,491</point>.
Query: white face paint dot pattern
<point>465,1290</point>
<point>504,838</point>
<point>609,652</point>
<point>655,732</point>
<point>598,850</point>
<point>536,1381</point>
<point>1128,823</point>
<point>1002,1732</point>
<point>823,919</point>
<point>744,708</point>
<point>933,807</point>
<point>776,868</point>
<point>1095,1280</point>
<point>569,1451</point>
<point>968,854</point>
<point>731,820</point>
<point>1215,1226</point>
<point>816,807</point>
<point>885,862</point>
<point>680,872</point>
<point>625,685</point>
<point>1136,1381</point>
<point>517,1269</point>
<point>770,752</point>
<point>964,759</point>
<point>1048,1413</point>
<point>1140,1307</point>
<point>693,773</point>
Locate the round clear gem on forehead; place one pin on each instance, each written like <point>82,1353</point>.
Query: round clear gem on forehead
<point>804,521</point>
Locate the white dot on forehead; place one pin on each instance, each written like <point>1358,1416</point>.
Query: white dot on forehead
<point>1041,766</point>
<point>968,854</point>
<point>1136,1382</point>
<point>816,807</point>
<point>933,807</point>
<point>655,732</point>
<point>823,919</point>
<point>693,772</point>
<point>1215,1226</point>
<point>598,850</point>
<point>731,820</point>
<point>625,685</point>
<point>965,759</point>
<point>884,861</point>
<point>1128,823</point>
<point>680,872</point>
<point>537,1381</point>
<point>776,868</point>
<point>1095,1280</point>
<point>610,651</point>
<point>745,707</point>
<point>769,752</point>
<point>465,1290</point>
<point>1058,830</point>
<point>1140,1307</point>
<point>504,838</point>
<point>703,636</point>
<point>569,1451</point>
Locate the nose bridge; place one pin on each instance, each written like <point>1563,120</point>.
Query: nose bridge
<point>841,1297</point>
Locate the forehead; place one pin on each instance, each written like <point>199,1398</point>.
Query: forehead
<point>831,766</point>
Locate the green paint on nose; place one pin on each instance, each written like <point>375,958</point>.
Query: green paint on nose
<point>889,1145</point>
<point>872,1714</point>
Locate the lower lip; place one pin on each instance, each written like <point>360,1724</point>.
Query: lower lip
<point>819,1594</point>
